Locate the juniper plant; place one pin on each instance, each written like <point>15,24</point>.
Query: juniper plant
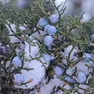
<point>72,31</point>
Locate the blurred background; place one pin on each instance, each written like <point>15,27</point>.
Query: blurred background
<point>74,7</point>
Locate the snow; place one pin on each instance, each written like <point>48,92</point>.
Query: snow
<point>36,74</point>
<point>31,51</point>
<point>47,89</point>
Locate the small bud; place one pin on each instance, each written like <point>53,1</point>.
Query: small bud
<point>60,37</point>
<point>29,81</point>
<point>65,83</point>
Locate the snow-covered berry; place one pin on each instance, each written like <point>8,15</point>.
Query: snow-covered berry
<point>54,18</point>
<point>42,22</point>
<point>48,40</point>
<point>51,30</point>
<point>17,62</point>
<point>18,79</point>
<point>81,77</point>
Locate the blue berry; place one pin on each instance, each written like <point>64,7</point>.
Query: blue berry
<point>18,79</point>
<point>48,40</point>
<point>42,22</point>
<point>51,30</point>
<point>46,58</point>
<point>58,70</point>
<point>17,62</point>
<point>81,77</point>
<point>54,18</point>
